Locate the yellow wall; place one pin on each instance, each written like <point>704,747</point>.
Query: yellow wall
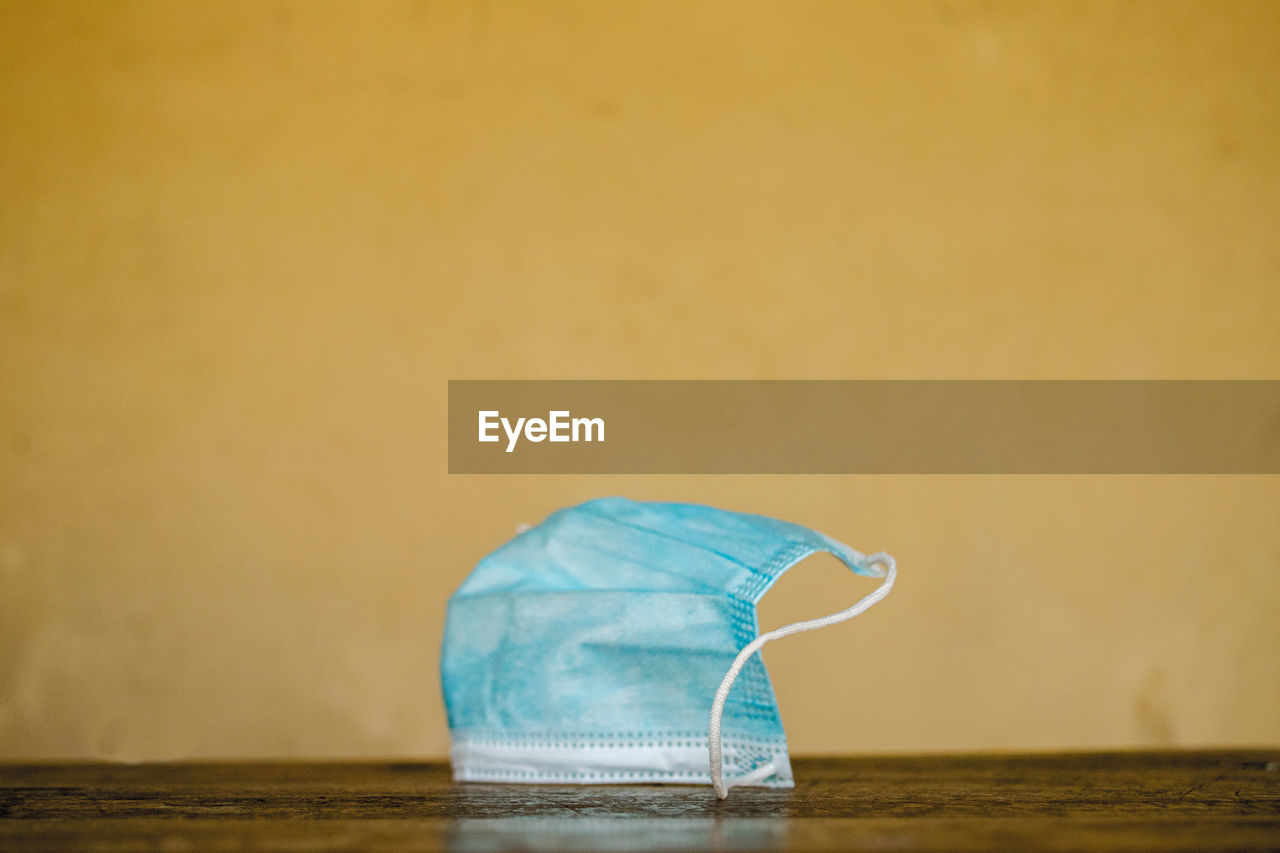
<point>244,245</point>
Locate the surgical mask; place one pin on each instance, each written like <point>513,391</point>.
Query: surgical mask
<point>602,646</point>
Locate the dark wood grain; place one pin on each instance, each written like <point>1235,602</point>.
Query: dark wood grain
<point>1096,801</point>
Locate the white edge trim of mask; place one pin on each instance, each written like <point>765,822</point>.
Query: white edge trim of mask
<point>615,762</point>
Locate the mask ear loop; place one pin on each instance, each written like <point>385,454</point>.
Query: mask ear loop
<point>717,707</point>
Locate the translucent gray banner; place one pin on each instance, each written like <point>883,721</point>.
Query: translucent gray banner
<point>864,427</point>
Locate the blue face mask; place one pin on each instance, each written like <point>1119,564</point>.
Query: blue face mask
<point>589,648</point>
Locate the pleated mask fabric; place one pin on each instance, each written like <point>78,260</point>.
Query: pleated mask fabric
<point>617,642</point>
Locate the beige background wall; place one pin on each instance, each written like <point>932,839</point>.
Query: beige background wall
<point>244,245</point>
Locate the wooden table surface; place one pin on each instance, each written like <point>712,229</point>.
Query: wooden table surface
<point>1219,800</point>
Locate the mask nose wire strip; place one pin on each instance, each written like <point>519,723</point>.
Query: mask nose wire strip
<point>717,707</point>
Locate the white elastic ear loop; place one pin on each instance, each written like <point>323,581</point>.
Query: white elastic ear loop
<point>717,707</point>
